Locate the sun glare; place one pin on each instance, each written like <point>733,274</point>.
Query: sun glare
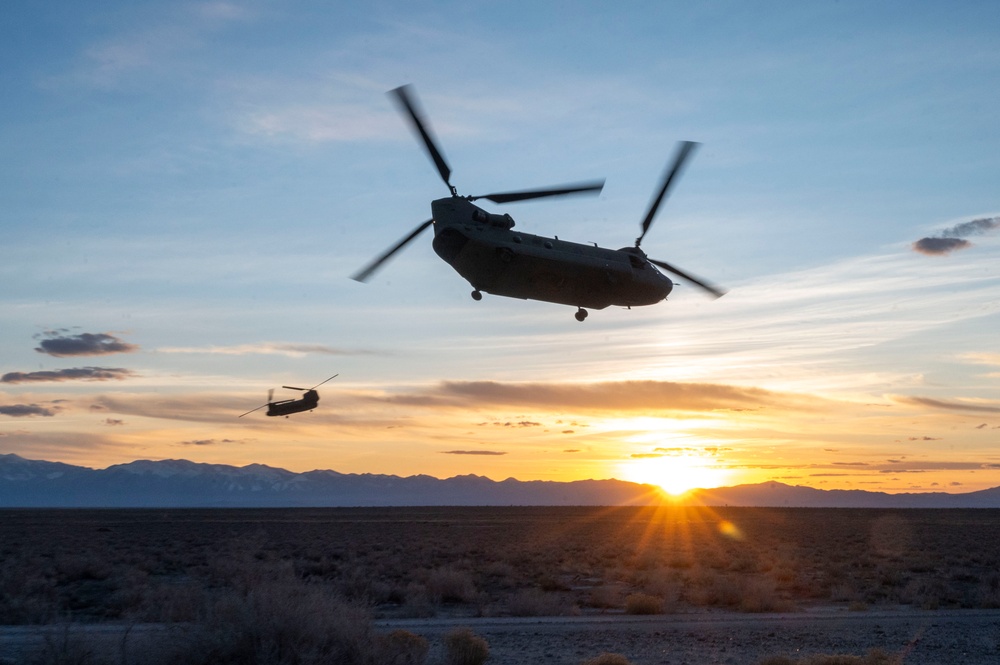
<point>675,474</point>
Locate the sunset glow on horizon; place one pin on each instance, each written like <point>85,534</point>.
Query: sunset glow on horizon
<point>190,186</point>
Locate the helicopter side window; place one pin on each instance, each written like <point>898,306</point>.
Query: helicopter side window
<point>479,216</point>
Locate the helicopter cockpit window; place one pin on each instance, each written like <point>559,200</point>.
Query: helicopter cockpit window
<point>636,261</point>
<point>480,215</point>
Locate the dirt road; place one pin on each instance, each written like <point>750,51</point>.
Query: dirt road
<point>970,637</point>
<point>942,637</point>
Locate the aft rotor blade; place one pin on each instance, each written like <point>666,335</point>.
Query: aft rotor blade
<point>564,190</point>
<point>684,149</point>
<point>322,382</point>
<point>711,288</point>
<point>294,388</point>
<point>366,272</point>
<point>402,95</point>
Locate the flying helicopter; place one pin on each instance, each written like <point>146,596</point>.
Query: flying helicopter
<point>286,407</point>
<point>482,247</point>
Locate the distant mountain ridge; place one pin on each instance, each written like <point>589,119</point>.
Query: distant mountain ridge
<point>28,483</point>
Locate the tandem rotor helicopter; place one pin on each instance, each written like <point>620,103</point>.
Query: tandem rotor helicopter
<point>482,247</point>
<point>286,407</point>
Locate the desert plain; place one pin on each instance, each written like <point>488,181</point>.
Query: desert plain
<point>668,584</point>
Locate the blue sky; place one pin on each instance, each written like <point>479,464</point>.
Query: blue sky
<point>198,180</point>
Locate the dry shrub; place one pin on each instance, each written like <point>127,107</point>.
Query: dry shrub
<point>608,659</point>
<point>418,603</point>
<point>278,624</point>
<point>989,592</point>
<point>761,596</point>
<point>401,647</point>
<point>605,597</point>
<point>641,603</point>
<point>449,585</point>
<point>536,603</point>
<point>65,647</point>
<point>465,647</point>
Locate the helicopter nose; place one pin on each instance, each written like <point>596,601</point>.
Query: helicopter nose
<point>449,243</point>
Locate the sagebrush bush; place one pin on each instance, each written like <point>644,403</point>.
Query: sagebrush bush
<point>401,647</point>
<point>448,585</point>
<point>537,603</point>
<point>464,647</point>
<point>278,624</point>
<point>641,603</point>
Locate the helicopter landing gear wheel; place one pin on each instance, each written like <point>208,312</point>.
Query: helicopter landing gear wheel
<point>476,295</point>
<point>581,314</point>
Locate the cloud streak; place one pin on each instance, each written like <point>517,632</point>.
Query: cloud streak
<point>60,345</point>
<point>949,405</point>
<point>269,348</point>
<point>26,410</point>
<point>472,452</point>
<point>604,396</point>
<point>210,442</point>
<point>953,239</point>
<point>73,374</point>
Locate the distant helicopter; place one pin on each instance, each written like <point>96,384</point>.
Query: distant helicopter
<point>483,249</point>
<point>286,407</point>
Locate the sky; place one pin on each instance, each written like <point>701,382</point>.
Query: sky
<point>186,188</point>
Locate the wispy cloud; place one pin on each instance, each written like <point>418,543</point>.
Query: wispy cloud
<point>60,344</point>
<point>950,405</point>
<point>26,410</point>
<point>643,396</point>
<point>472,452</point>
<point>320,123</point>
<point>74,374</point>
<point>954,238</point>
<point>211,442</point>
<point>290,349</point>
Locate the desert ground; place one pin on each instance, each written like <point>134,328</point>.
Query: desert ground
<point>913,637</point>
<point>548,585</point>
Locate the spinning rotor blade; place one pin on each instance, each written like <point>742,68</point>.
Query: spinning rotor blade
<point>402,95</point>
<point>684,149</point>
<point>366,272</point>
<point>251,411</point>
<point>565,190</point>
<point>322,382</point>
<point>294,388</point>
<point>714,290</point>
<point>270,393</point>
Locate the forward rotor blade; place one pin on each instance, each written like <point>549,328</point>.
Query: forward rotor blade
<point>322,382</point>
<point>402,95</point>
<point>251,411</point>
<point>711,288</point>
<point>565,190</point>
<point>366,272</point>
<point>294,388</point>
<point>684,149</point>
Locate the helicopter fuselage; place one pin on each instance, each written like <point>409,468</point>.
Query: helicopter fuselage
<point>307,402</point>
<point>484,249</point>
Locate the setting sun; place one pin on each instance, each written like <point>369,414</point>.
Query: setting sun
<point>675,474</point>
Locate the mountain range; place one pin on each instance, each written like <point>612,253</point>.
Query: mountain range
<point>28,483</point>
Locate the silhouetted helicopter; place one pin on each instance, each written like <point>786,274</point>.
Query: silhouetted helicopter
<point>286,407</point>
<point>483,249</point>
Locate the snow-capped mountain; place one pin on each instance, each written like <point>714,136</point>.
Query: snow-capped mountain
<point>181,483</point>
